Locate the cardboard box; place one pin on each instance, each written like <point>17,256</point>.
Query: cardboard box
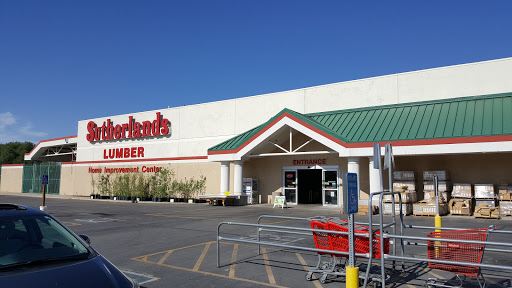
<point>505,196</point>
<point>462,190</point>
<point>365,209</point>
<point>484,191</point>
<point>484,211</point>
<point>506,208</point>
<point>442,175</point>
<point>407,197</point>
<point>387,209</point>
<point>488,203</point>
<point>404,176</point>
<point>505,192</point>
<point>461,206</point>
<point>441,186</point>
<point>431,196</point>
<point>404,185</point>
<point>423,208</point>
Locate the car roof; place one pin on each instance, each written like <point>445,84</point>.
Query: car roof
<point>7,209</point>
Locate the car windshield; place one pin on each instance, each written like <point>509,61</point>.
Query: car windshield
<point>36,238</point>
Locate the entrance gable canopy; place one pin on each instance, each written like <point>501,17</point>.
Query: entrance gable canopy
<point>459,125</point>
<point>246,143</point>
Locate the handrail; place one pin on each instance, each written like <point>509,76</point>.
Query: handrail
<point>369,256</point>
<point>451,228</point>
<point>259,242</point>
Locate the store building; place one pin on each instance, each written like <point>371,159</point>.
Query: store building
<point>298,142</point>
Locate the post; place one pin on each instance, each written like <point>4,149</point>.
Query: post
<point>350,207</point>
<point>44,181</point>
<point>437,219</point>
<point>44,195</point>
<point>352,279</point>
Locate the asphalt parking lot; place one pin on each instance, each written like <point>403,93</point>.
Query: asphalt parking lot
<point>174,245</point>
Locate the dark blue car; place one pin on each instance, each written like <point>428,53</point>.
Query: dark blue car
<point>38,251</point>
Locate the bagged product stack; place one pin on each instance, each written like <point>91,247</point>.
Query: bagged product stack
<point>427,207</point>
<point>505,197</point>
<point>485,206</point>
<point>462,199</point>
<point>405,182</point>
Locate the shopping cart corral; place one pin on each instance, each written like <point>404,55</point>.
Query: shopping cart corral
<point>455,250</point>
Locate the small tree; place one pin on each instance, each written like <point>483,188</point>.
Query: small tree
<point>105,185</point>
<point>190,187</point>
<point>161,182</point>
<point>93,185</point>
<point>139,185</point>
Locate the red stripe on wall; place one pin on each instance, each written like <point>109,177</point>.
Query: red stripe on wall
<point>141,160</point>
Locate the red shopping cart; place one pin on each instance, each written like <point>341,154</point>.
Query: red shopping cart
<point>457,252</point>
<point>339,242</point>
<point>321,242</point>
<point>361,243</point>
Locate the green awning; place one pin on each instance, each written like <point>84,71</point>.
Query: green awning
<point>468,117</point>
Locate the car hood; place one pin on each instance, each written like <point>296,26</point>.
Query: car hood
<point>95,272</point>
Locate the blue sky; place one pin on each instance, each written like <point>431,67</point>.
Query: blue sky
<point>65,61</point>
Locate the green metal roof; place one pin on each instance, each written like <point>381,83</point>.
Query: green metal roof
<point>489,115</point>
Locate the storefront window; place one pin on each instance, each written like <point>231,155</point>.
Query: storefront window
<point>330,185</point>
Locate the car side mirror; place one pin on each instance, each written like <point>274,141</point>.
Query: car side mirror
<point>86,239</point>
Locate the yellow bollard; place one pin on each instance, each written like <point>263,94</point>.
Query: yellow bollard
<point>437,220</point>
<point>352,278</point>
<point>438,223</point>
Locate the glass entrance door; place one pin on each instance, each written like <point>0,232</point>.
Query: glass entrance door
<point>330,187</point>
<point>290,186</point>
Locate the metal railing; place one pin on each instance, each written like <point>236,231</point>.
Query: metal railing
<point>397,235</point>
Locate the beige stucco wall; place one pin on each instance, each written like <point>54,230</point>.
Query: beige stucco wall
<point>12,179</point>
<point>77,181</point>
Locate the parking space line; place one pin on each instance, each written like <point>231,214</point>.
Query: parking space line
<point>435,274</point>
<point>233,260</point>
<point>145,260</point>
<point>201,258</point>
<point>271,278</point>
<point>165,256</point>
<point>306,268</point>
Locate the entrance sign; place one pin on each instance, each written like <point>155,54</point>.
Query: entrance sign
<point>350,195</point>
<point>44,179</point>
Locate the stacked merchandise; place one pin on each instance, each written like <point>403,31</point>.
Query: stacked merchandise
<point>485,206</point>
<point>365,209</point>
<point>427,207</point>
<point>405,183</point>
<point>505,196</point>
<point>462,200</point>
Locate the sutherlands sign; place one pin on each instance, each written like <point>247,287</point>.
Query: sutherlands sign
<point>132,129</point>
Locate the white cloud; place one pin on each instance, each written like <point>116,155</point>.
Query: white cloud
<point>6,119</point>
<point>27,130</point>
<point>13,131</point>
